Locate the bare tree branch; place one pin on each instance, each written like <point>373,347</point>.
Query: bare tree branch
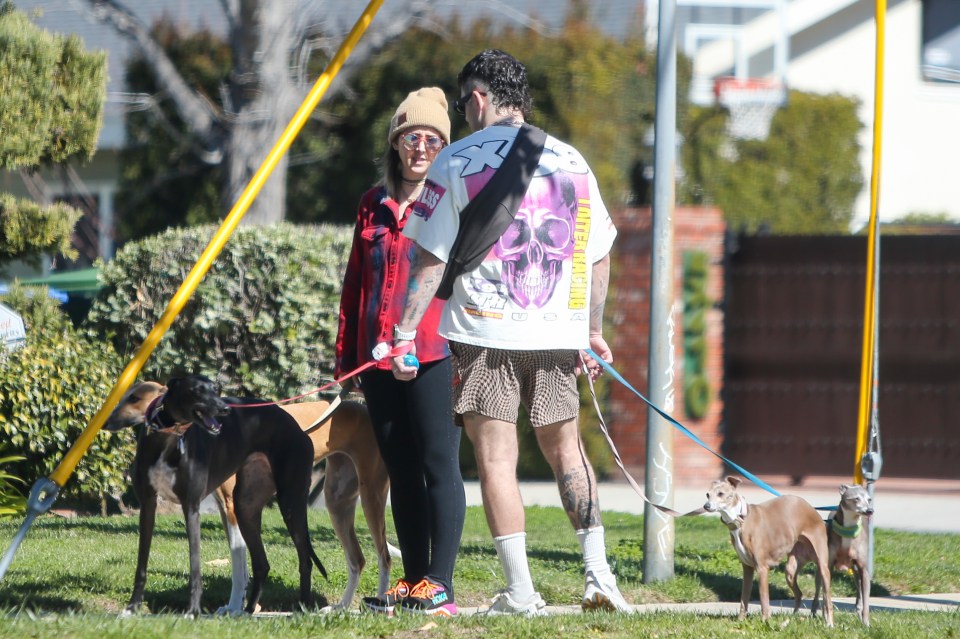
<point>271,42</point>
<point>196,112</point>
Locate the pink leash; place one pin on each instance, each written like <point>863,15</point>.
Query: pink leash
<point>394,352</point>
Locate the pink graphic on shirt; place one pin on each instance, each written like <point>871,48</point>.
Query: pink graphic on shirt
<point>541,237</point>
<point>429,198</point>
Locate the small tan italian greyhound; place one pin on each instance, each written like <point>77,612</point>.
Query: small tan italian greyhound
<point>848,535</point>
<point>763,535</point>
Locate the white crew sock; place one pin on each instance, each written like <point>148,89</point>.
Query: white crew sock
<point>512,551</point>
<point>594,551</point>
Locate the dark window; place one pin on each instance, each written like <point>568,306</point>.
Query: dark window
<point>941,40</point>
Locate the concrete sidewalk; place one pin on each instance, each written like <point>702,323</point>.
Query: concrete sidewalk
<point>913,505</point>
<point>923,603</point>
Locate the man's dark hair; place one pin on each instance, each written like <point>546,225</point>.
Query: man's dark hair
<point>503,75</point>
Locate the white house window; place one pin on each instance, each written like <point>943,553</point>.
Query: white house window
<point>941,41</point>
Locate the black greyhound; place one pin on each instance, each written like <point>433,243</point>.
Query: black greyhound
<point>194,440</point>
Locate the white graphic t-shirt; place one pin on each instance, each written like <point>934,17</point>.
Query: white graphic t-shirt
<point>532,291</point>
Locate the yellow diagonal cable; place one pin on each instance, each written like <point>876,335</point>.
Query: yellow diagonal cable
<point>867,367</point>
<point>79,448</point>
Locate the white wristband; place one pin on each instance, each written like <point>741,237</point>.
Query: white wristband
<point>406,336</point>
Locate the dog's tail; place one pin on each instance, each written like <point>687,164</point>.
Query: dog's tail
<point>318,563</point>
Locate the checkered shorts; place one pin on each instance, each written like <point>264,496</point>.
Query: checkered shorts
<point>494,382</point>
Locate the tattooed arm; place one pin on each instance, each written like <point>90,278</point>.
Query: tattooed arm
<point>426,270</point>
<point>425,273</point>
<point>598,295</point>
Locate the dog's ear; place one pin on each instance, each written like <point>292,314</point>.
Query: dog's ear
<point>734,481</point>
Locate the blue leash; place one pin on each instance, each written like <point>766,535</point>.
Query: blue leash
<point>683,429</point>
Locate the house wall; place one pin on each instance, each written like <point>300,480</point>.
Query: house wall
<point>920,134</point>
<point>831,49</point>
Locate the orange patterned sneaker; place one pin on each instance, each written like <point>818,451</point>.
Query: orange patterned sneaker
<point>429,598</point>
<point>389,600</point>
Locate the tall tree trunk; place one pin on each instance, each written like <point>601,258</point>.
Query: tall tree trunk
<point>263,98</point>
<point>244,153</point>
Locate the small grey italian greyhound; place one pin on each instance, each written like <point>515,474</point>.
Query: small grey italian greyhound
<point>763,535</point>
<point>848,537</point>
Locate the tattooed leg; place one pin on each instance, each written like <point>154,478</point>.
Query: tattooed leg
<point>563,450</point>
<point>578,494</point>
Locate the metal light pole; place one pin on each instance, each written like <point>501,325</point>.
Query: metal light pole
<point>658,528</point>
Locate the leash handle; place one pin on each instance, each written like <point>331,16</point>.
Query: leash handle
<point>394,352</point>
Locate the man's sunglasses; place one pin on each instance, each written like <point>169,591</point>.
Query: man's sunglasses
<point>411,142</point>
<point>460,104</point>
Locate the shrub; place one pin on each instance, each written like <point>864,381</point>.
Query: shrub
<point>49,390</point>
<point>262,322</point>
<point>803,179</point>
<point>12,502</point>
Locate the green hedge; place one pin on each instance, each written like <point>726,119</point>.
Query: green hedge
<point>262,322</point>
<point>50,389</point>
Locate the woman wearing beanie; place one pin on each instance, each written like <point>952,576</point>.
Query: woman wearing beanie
<point>412,420</point>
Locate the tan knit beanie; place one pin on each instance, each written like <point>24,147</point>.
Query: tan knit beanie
<point>423,107</point>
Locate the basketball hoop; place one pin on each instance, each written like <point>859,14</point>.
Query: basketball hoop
<point>751,102</point>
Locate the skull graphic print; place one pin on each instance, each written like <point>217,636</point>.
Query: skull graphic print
<point>534,247</point>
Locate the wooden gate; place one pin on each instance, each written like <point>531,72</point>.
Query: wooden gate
<point>793,338</point>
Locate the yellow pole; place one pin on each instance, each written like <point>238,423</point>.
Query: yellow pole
<point>79,448</point>
<point>869,306</point>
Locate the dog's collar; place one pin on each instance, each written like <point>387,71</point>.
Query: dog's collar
<point>734,517</point>
<point>847,532</point>
<point>155,422</point>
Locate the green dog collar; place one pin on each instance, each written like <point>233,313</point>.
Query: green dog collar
<point>847,532</point>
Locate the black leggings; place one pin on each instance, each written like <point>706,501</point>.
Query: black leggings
<point>413,423</point>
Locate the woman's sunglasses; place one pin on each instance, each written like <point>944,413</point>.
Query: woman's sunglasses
<point>411,142</point>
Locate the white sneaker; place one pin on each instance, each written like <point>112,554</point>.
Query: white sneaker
<point>604,595</point>
<point>503,604</point>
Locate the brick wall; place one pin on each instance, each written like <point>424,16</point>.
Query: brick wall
<point>628,333</point>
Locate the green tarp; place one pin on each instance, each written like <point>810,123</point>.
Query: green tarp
<point>79,282</point>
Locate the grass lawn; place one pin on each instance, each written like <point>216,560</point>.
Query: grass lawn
<point>71,576</point>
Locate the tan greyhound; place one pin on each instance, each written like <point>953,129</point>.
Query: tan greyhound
<point>765,534</point>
